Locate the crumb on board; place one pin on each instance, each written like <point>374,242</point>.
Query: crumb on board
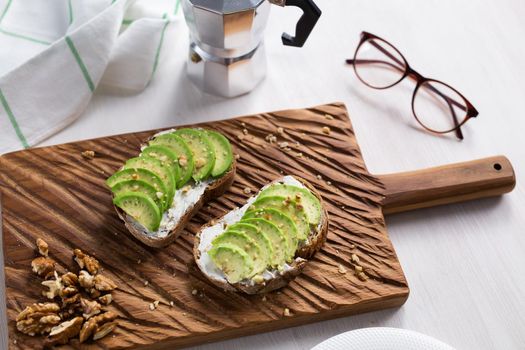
<point>88,154</point>
<point>286,311</point>
<point>341,269</point>
<point>247,190</point>
<point>326,130</point>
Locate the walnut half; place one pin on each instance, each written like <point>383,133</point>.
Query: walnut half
<point>38,318</point>
<point>63,332</point>
<point>94,325</point>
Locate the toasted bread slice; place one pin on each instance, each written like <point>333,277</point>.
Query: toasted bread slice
<point>273,279</point>
<point>187,202</point>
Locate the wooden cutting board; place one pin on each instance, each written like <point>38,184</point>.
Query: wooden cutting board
<point>56,194</point>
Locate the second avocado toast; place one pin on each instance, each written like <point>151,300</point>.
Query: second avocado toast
<point>177,171</point>
<point>266,243</point>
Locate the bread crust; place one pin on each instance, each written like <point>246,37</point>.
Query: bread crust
<point>316,241</point>
<point>213,190</point>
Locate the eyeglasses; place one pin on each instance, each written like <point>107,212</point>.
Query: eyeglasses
<point>438,107</point>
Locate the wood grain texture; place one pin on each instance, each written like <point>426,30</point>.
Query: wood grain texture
<point>55,194</point>
<point>447,184</point>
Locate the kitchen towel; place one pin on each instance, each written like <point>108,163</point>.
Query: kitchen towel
<point>55,53</point>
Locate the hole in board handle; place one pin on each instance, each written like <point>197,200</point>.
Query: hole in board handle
<point>497,166</point>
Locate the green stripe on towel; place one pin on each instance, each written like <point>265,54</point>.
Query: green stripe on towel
<point>5,10</point>
<point>157,54</point>
<point>13,121</point>
<point>70,11</point>
<point>80,63</point>
<point>20,36</point>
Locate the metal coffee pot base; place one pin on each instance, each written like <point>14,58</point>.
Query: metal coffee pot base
<point>228,77</point>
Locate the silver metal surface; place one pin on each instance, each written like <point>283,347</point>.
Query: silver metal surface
<point>227,77</point>
<point>226,55</point>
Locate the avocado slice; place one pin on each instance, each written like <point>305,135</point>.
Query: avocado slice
<point>247,244</point>
<point>140,187</point>
<point>303,197</point>
<point>278,240</point>
<point>234,262</point>
<point>283,222</point>
<point>202,149</point>
<point>143,175</point>
<point>161,170</point>
<point>183,152</point>
<point>141,208</point>
<point>289,208</point>
<point>223,152</point>
<point>167,157</point>
<point>258,236</point>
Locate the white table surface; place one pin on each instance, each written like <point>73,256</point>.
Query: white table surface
<point>465,263</point>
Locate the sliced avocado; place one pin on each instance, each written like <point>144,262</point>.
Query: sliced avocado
<point>258,236</point>
<point>141,187</point>
<point>275,235</point>
<point>202,149</point>
<point>282,221</point>
<point>161,170</point>
<point>223,152</point>
<point>166,156</point>
<point>289,208</point>
<point>247,244</point>
<point>302,196</point>
<point>183,152</point>
<point>143,175</point>
<point>234,262</point>
<point>141,208</point>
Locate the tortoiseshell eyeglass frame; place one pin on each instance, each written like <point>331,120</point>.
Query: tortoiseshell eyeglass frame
<point>465,105</point>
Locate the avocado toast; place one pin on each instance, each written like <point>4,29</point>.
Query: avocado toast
<point>266,243</point>
<point>177,171</point>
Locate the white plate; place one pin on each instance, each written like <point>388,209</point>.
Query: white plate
<point>382,338</point>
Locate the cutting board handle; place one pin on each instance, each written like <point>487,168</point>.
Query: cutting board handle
<point>447,184</point>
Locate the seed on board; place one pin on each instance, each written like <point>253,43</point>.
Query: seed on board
<point>280,130</point>
<point>326,130</point>
<point>341,269</point>
<point>319,177</point>
<point>352,246</point>
<point>247,190</point>
<point>88,154</point>
<point>172,303</point>
<point>146,283</point>
<point>245,131</point>
<point>328,116</point>
<point>237,156</point>
<point>194,292</point>
<point>362,276</point>
<point>286,311</point>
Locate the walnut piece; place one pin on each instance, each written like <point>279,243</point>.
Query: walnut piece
<point>106,299</point>
<point>89,308</point>
<point>69,279</point>
<point>63,332</point>
<point>91,326</point>
<point>104,330</point>
<point>104,284</point>
<point>85,261</point>
<point>54,287</point>
<point>42,246</point>
<point>86,280</point>
<point>43,266</point>
<point>38,318</point>
<point>88,154</point>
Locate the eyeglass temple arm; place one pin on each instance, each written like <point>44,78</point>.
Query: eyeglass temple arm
<point>449,100</point>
